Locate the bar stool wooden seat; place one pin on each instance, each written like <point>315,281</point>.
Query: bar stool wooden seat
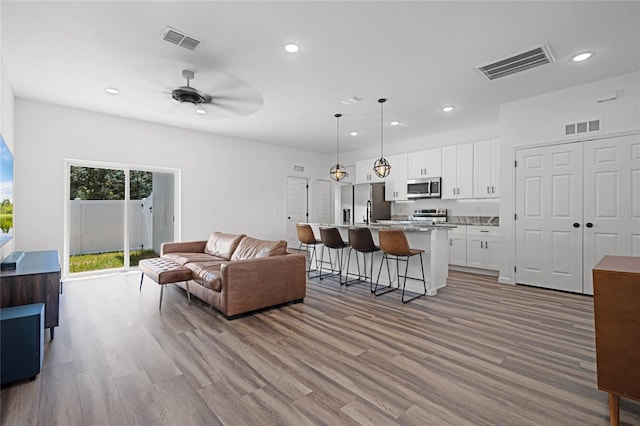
<point>332,240</point>
<point>361,241</point>
<point>307,238</point>
<point>394,244</point>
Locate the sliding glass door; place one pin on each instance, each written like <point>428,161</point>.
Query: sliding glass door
<point>117,215</point>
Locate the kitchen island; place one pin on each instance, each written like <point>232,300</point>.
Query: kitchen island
<point>433,239</point>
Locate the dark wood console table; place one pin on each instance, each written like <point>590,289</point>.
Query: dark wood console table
<point>616,303</point>
<point>35,280</point>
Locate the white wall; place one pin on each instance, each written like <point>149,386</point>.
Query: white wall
<point>227,184</point>
<point>541,120</point>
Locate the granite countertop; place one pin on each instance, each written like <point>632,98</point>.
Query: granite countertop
<point>474,220</point>
<point>402,226</point>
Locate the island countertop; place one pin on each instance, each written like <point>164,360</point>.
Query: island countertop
<point>408,227</point>
<point>432,239</point>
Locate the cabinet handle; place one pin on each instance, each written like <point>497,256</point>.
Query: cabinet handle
<point>488,191</point>
<point>493,189</point>
<point>481,244</point>
<point>589,225</point>
<point>486,245</point>
<point>450,241</point>
<point>454,191</point>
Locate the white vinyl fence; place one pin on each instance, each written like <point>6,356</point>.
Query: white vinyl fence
<point>98,225</point>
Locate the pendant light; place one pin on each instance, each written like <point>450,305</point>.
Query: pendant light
<point>381,166</point>
<point>338,172</point>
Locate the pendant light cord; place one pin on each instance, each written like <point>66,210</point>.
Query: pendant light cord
<point>381,101</point>
<point>338,138</point>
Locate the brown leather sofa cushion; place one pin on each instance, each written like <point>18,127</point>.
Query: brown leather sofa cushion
<point>223,245</point>
<point>251,248</point>
<point>207,275</point>
<point>186,258</point>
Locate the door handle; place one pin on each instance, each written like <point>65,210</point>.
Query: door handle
<point>576,225</point>
<point>589,225</point>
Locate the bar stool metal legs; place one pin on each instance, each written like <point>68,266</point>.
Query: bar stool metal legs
<point>394,244</point>
<point>307,238</point>
<point>332,240</point>
<point>361,241</point>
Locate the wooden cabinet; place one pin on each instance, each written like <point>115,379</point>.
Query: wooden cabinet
<point>458,246</point>
<point>483,247</point>
<point>457,172</point>
<point>396,183</point>
<point>423,164</point>
<point>616,303</point>
<point>486,162</point>
<point>35,280</point>
<point>365,173</point>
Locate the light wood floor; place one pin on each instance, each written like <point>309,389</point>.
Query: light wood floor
<point>478,353</point>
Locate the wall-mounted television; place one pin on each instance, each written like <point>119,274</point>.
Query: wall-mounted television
<point>6,193</point>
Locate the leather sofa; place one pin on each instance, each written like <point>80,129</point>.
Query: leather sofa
<point>237,274</point>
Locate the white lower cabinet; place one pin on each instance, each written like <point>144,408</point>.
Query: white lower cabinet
<point>483,247</point>
<point>458,246</point>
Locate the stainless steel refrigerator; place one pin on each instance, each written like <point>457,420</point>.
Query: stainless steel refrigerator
<point>364,203</point>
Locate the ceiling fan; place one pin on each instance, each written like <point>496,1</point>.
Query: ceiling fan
<point>188,93</point>
<point>231,96</point>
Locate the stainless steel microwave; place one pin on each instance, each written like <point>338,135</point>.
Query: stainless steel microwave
<point>424,188</point>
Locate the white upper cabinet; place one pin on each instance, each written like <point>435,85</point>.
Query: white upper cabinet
<point>365,173</point>
<point>457,171</point>
<point>396,183</point>
<point>425,164</point>
<point>485,169</point>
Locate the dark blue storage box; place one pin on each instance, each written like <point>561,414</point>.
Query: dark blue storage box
<point>21,342</point>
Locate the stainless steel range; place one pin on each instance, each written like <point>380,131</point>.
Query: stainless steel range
<point>428,216</point>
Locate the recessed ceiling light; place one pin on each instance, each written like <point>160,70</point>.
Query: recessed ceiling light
<point>291,48</point>
<point>394,123</point>
<point>448,108</point>
<point>112,90</point>
<point>201,111</point>
<point>354,133</point>
<point>582,56</point>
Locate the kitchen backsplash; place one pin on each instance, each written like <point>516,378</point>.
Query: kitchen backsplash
<point>454,207</point>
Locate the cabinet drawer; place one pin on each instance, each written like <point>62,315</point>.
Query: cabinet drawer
<point>486,231</point>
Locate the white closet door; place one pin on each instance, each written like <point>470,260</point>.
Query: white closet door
<point>549,217</point>
<point>611,201</point>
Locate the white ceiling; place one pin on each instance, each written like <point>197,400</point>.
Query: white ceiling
<point>419,55</point>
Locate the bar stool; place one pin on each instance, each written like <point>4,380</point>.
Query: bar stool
<point>394,244</point>
<point>306,237</point>
<point>332,240</point>
<point>361,241</point>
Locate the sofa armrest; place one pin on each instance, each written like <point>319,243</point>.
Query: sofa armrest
<point>252,284</point>
<point>183,247</point>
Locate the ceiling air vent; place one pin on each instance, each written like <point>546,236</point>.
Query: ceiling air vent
<point>521,61</point>
<point>180,38</point>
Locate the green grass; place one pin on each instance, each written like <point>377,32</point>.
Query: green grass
<point>110,260</point>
